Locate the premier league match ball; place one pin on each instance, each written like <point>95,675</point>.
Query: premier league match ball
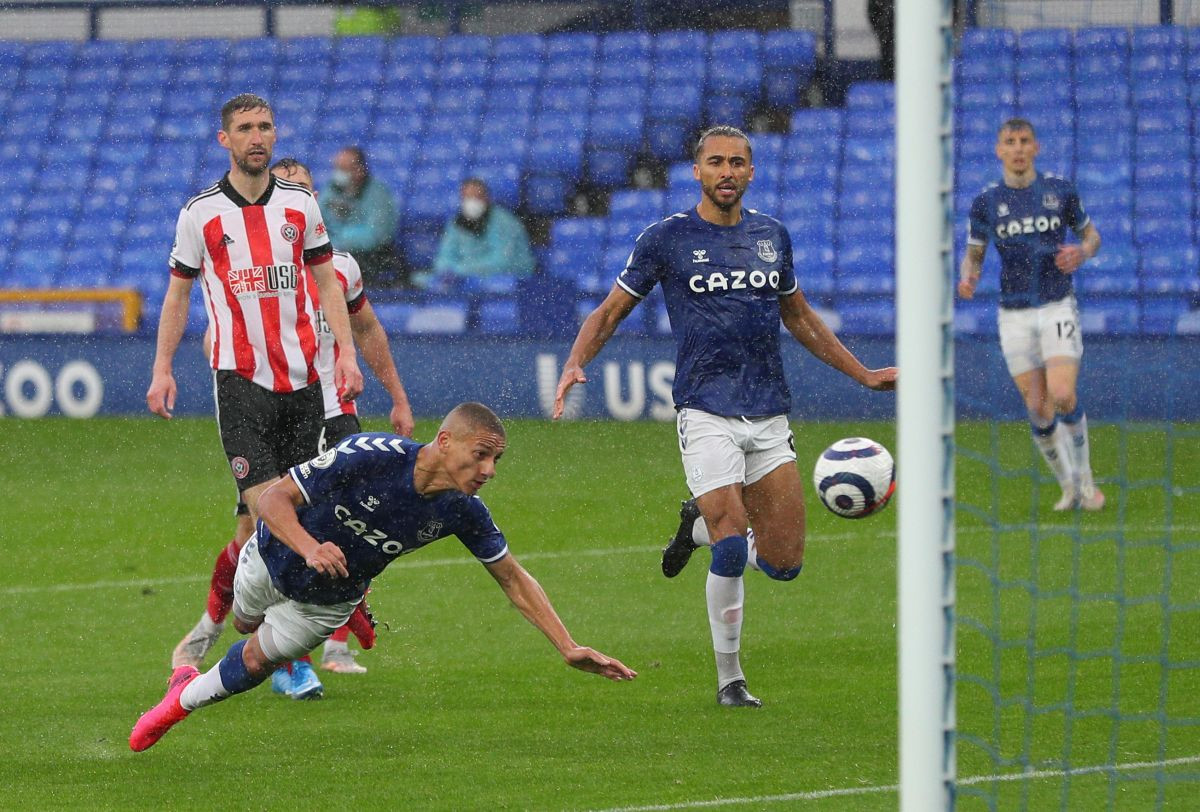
<point>855,477</point>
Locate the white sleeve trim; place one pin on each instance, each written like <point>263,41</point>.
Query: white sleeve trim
<point>494,558</point>
<point>629,290</point>
<point>300,485</point>
<point>795,287</point>
<point>975,241</point>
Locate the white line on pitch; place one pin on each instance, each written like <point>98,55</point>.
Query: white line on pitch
<point>888,788</point>
<point>586,552</point>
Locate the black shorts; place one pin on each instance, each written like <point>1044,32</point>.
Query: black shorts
<point>338,429</point>
<point>265,433</point>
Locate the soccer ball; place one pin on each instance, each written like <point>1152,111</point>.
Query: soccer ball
<point>855,477</point>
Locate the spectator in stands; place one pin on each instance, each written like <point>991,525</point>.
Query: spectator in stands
<point>1027,215</point>
<point>360,214</point>
<point>482,240</point>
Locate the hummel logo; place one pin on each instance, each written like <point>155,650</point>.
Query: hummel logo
<point>700,255</point>
<point>226,239</point>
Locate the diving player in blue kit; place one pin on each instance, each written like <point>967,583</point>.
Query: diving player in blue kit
<point>1027,216</point>
<point>727,278</point>
<point>337,521</point>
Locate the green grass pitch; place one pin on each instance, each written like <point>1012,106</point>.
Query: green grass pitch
<point>110,527</point>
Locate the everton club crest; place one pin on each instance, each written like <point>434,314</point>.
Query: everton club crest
<point>766,251</point>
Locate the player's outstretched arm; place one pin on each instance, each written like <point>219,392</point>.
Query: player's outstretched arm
<point>530,599</point>
<point>277,508</point>
<point>160,397</point>
<point>594,333</point>
<point>808,328</point>
<point>373,341</point>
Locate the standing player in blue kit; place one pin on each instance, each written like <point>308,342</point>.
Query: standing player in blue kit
<point>727,278</point>
<point>334,523</point>
<point>1027,216</point>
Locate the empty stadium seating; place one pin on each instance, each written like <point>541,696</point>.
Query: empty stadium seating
<point>101,141</point>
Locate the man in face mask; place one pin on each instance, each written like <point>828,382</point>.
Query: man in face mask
<point>482,240</point>
<point>362,218</point>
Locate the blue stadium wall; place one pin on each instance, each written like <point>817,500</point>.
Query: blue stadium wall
<point>1123,377</point>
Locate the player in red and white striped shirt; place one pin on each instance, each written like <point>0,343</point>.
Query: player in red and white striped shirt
<point>251,239</point>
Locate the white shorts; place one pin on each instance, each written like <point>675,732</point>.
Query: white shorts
<point>719,451</point>
<point>1030,335</point>
<point>289,629</point>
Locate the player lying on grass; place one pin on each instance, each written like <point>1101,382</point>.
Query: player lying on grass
<point>337,521</point>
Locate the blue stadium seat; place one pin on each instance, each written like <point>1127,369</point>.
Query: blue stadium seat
<point>1113,272</point>
<point>1160,94</point>
<point>1044,67</point>
<point>1162,232</point>
<point>565,98</point>
<point>971,98</point>
<point>560,154</point>
<point>814,124</point>
<point>1113,146</point>
<point>869,150</point>
<point>789,59</point>
<point>345,75</point>
<point>503,179</point>
<point>671,46</point>
<point>576,46</point>
<point>645,205</point>
<point>620,45</point>
<point>726,109</point>
<point>690,68</point>
<point>608,167</point>
<point>1169,269</point>
<point>518,47</point>
<point>1043,94</point>
<point>871,96</point>
<point>624,229</point>
<point>517,100</point>
<point>797,201</point>
<point>667,140</point>
<point>613,129</point>
<point>611,96</point>
<point>1175,146</point>
<point>1038,42</point>
<point>410,73</point>
<point>467,101</point>
<point>516,72</point>
<point>634,70</point>
<point>1101,40</point>
<point>1163,316</point>
<point>870,123</point>
<point>415,49</point>
<point>466,72</point>
<point>976,317</point>
<point>1109,316</point>
<point>866,318</point>
<point>586,233</point>
<point>1161,174</point>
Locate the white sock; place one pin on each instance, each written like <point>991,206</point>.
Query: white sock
<point>725,598</point>
<point>209,626</point>
<point>204,690</point>
<point>1056,454</point>
<point>332,646</point>
<point>1077,441</point>
<point>700,532</point>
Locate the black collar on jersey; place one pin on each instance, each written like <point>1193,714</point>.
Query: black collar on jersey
<point>242,202</point>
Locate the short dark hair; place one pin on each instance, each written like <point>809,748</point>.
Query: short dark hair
<point>1017,124</point>
<point>473,181</point>
<point>474,416</point>
<point>360,157</point>
<point>290,165</point>
<point>240,104</point>
<point>726,130</point>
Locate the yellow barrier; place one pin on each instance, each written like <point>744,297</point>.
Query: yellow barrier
<point>130,300</point>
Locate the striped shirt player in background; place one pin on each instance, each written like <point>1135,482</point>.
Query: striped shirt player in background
<point>727,278</point>
<point>1027,215</point>
<point>336,522</point>
<point>341,420</point>
<point>252,239</point>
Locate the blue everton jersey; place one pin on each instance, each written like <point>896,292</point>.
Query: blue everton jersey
<point>1028,226</point>
<point>360,496</point>
<point>722,286</point>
